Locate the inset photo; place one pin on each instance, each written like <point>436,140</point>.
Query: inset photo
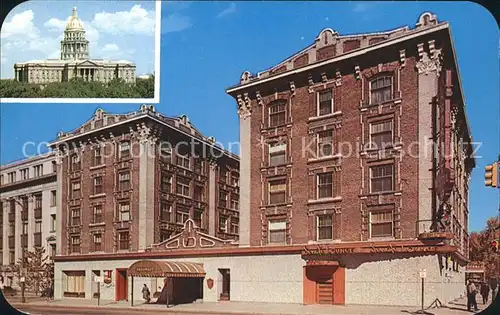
<point>81,51</point>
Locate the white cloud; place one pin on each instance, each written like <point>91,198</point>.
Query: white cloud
<point>55,25</point>
<point>110,47</point>
<point>135,21</point>
<point>175,23</point>
<point>21,25</point>
<point>229,10</point>
<point>3,59</point>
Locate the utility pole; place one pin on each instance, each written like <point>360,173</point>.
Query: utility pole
<point>23,266</point>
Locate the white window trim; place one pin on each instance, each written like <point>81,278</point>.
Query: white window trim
<point>371,178</point>
<point>370,225</point>
<point>370,87</point>
<point>280,147</point>
<point>279,225</point>
<point>379,121</point>
<point>317,228</point>
<point>317,186</point>
<point>317,144</point>
<point>332,103</point>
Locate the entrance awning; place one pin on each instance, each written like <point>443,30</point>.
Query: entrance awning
<point>150,268</point>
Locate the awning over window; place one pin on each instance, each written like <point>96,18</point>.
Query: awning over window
<point>150,268</point>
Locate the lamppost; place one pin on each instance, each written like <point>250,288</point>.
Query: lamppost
<point>23,269</point>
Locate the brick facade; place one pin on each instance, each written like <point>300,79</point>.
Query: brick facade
<point>101,205</point>
<point>412,205</point>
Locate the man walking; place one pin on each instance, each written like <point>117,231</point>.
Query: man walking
<point>146,295</point>
<point>485,292</point>
<point>471,296</point>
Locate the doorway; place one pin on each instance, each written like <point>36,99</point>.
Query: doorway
<point>121,285</point>
<point>324,291</point>
<point>225,287</point>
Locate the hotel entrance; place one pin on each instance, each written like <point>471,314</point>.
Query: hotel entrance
<point>183,281</point>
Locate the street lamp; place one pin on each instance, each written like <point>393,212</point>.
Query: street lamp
<point>23,270</point>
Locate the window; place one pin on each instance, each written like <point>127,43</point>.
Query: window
<point>38,170</point>
<point>165,153</point>
<point>166,182</point>
<point>325,185</point>
<point>277,191</point>
<point>12,257</point>
<point>381,134</point>
<point>52,223</point>
<point>325,102</point>
<point>1,179</point>
<point>98,185</point>
<point>24,173</point>
<point>277,153</point>
<point>197,218</point>
<point>97,214</point>
<point>25,228</point>
<point>223,174</point>
<point>124,211</point>
<point>234,227</point>
<point>325,143</point>
<point>53,198</point>
<point>75,190</point>
<point>54,167</point>
<point>277,114</point>
<point>124,181</point>
<point>75,216</point>
<point>222,224</point>
<point>124,149</point>
<point>38,227</point>
<point>97,242</point>
<point>123,238</point>
<point>381,224</point>
<point>75,244</point>
<point>165,210</point>
<point>381,178</point>
<point>199,193</point>
<point>12,177</point>
<point>198,166</point>
<point>183,186</point>
<point>235,179</point>
<point>181,214</point>
<point>235,202</point>
<point>38,201</point>
<point>183,161</point>
<point>381,90</point>
<point>325,227</point>
<point>222,199</point>
<point>97,160</point>
<point>75,163</point>
<point>277,231</point>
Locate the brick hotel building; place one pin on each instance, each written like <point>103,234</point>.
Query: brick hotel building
<point>295,219</point>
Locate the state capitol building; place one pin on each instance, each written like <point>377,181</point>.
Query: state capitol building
<point>74,62</point>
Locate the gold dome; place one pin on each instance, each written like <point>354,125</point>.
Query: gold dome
<point>74,23</point>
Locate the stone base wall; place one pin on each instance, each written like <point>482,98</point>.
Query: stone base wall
<point>374,280</point>
<point>383,280</point>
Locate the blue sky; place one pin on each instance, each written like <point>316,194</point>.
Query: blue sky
<point>34,29</point>
<point>207,45</point>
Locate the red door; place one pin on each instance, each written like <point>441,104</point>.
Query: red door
<point>121,285</point>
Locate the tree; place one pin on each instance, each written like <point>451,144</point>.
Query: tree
<point>39,269</point>
<point>146,87</point>
<point>480,248</point>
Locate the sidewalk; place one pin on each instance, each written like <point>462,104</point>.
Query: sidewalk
<point>457,307</point>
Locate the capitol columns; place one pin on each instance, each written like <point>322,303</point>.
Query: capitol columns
<point>245,112</point>
<point>429,68</point>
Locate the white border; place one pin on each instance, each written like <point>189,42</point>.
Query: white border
<point>156,98</point>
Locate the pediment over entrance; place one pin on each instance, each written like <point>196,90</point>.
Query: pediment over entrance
<point>191,238</point>
<point>87,63</point>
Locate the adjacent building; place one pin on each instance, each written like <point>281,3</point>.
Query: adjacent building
<point>28,194</point>
<point>131,183</point>
<point>75,62</point>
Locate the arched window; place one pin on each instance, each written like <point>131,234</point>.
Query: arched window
<point>381,89</point>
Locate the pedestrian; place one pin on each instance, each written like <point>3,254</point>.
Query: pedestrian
<point>485,292</point>
<point>471,296</point>
<point>146,295</point>
<point>494,288</point>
